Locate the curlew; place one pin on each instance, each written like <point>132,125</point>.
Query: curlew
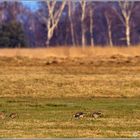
<point>96,115</point>
<point>79,115</point>
<point>13,115</point>
<point>2,115</point>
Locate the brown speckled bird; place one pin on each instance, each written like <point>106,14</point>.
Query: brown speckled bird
<point>97,114</point>
<point>13,115</point>
<point>79,115</point>
<point>2,115</point>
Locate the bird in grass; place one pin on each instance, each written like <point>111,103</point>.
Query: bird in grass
<point>79,115</point>
<point>2,115</point>
<point>13,115</point>
<point>97,115</point>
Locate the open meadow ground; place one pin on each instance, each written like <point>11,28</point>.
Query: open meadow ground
<point>46,87</point>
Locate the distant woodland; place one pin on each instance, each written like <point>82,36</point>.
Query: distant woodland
<point>68,23</point>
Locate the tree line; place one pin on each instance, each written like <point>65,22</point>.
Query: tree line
<point>70,23</point>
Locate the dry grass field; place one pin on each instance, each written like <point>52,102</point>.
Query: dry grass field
<point>72,52</point>
<point>45,87</point>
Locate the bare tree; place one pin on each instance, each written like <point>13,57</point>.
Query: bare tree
<point>109,28</point>
<point>83,6</point>
<point>1,16</point>
<point>70,12</point>
<point>91,10</point>
<point>126,10</point>
<point>53,18</point>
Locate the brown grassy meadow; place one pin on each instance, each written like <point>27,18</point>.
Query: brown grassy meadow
<point>47,86</point>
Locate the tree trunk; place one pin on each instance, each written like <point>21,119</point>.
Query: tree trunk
<point>50,34</point>
<point>91,27</point>
<point>110,35</point>
<point>110,42</point>
<point>71,24</point>
<point>83,5</point>
<point>83,36</point>
<point>127,32</point>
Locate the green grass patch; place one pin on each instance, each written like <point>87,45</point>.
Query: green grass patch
<point>40,117</point>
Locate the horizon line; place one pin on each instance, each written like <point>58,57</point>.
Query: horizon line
<point>73,0</point>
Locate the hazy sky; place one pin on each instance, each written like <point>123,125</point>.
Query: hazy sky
<point>30,4</point>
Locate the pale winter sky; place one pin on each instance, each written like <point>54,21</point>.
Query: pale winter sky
<point>32,4</point>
